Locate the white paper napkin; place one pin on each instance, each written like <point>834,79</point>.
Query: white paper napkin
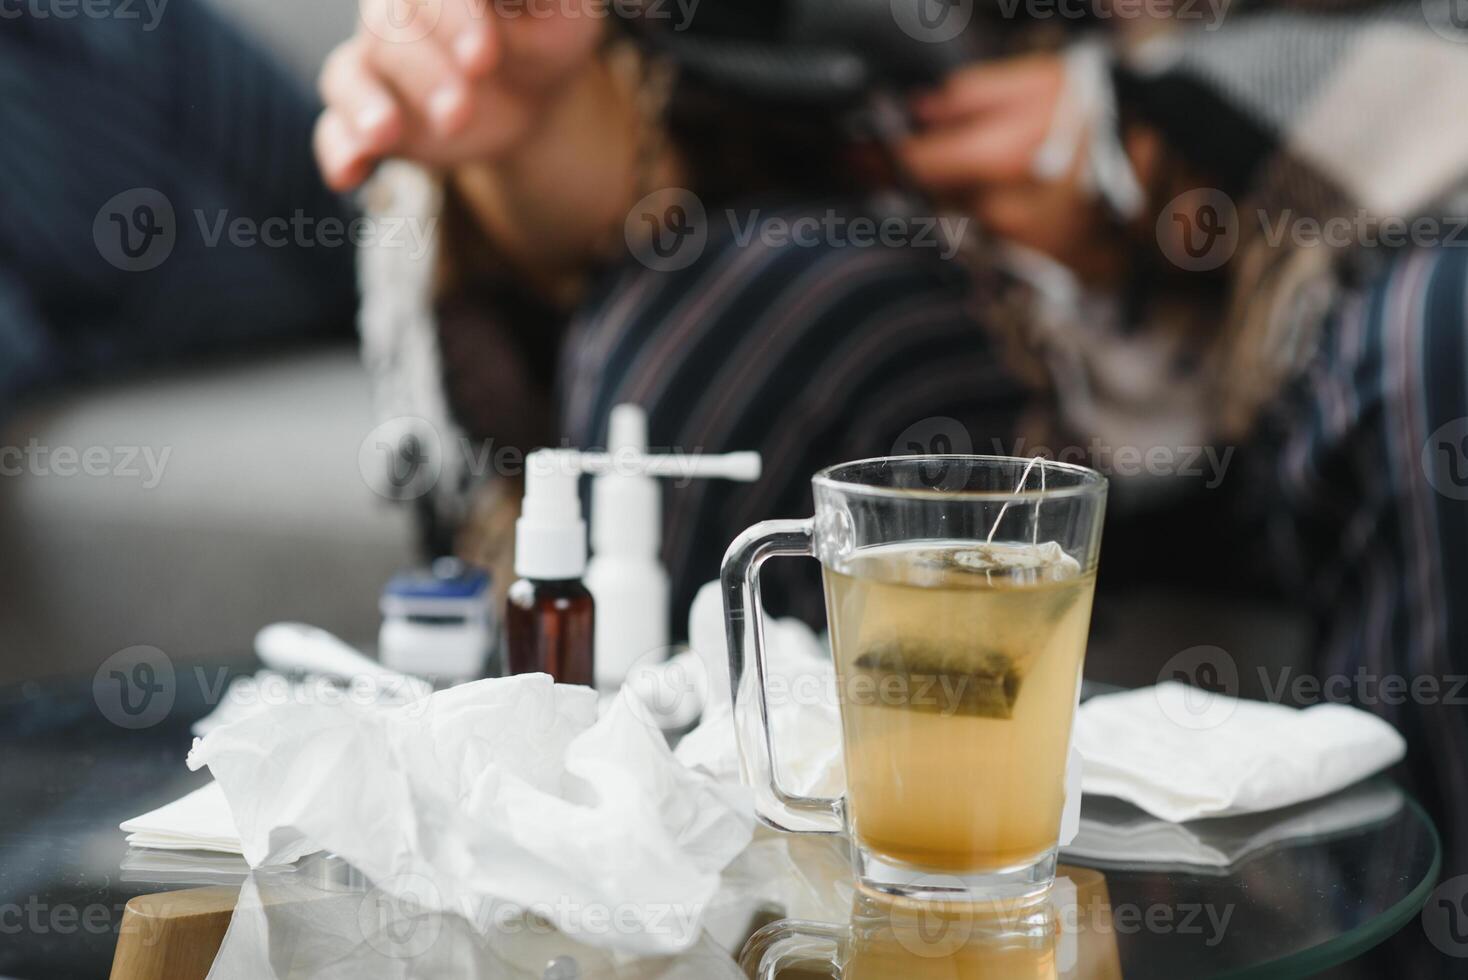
<point>804,719</point>
<point>199,821</point>
<point>1181,753</point>
<point>501,791</point>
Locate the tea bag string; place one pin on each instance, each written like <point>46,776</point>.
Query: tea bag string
<point>1023,479</point>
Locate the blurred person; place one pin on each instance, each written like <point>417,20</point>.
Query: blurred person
<point>1144,275</point>
<point>134,138</point>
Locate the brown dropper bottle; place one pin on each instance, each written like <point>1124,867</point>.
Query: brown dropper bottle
<point>549,629</point>
<point>548,611</point>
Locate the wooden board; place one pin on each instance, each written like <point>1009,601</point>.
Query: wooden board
<point>172,935</point>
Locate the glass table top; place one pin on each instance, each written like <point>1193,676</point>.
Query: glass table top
<point>1284,894</point>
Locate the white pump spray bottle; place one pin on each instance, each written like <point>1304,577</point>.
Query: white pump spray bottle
<point>626,576</point>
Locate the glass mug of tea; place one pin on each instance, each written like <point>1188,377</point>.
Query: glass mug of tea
<point>958,598</point>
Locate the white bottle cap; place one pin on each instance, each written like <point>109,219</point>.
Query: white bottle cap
<point>626,503</point>
<point>550,536</point>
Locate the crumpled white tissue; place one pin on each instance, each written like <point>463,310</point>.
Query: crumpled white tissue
<point>251,694</point>
<point>1181,753</point>
<point>804,719</point>
<point>507,790</point>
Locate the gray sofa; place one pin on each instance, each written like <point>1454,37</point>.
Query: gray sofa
<point>259,514</point>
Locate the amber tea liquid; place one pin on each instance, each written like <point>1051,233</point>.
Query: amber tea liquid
<point>958,666</point>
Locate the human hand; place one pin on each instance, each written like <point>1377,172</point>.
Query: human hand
<point>445,82</point>
<point>976,146</point>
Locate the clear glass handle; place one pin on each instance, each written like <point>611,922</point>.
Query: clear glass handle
<point>789,943</point>
<point>744,622</point>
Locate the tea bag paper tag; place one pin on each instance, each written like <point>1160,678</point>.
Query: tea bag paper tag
<point>1070,817</point>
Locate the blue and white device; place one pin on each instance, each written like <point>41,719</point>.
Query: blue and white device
<point>438,623</point>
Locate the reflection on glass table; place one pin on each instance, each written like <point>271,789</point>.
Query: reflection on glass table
<point>1283,894</point>
<point>1115,834</point>
<point>1286,894</point>
<point>1066,935</point>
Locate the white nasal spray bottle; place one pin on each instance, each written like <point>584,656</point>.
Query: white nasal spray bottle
<point>626,576</point>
